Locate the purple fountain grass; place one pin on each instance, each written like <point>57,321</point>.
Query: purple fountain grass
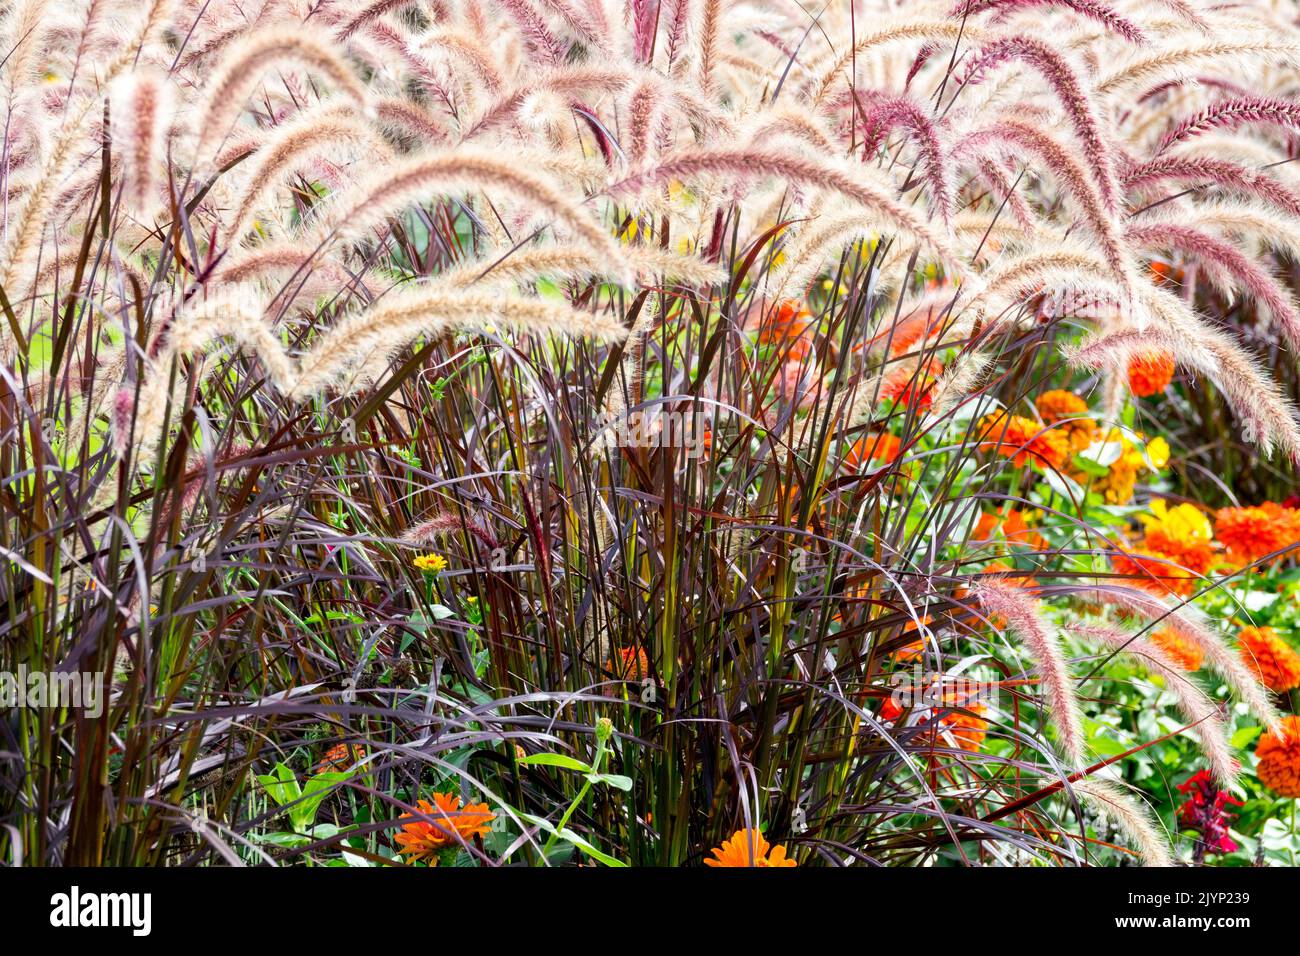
<point>1233,114</point>
<point>1094,10</point>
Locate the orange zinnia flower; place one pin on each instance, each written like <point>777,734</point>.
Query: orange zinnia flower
<point>1270,658</point>
<point>631,664</point>
<point>791,323</point>
<point>1021,579</point>
<point>882,447</point>
<point>1061,406</point>
<point>1023,439</point>
<point>748,848</point>
<point>909,385</point>
<point>968,729</point>
<point>1279,759</point>
<point>1250,533</point>
<point>1186,654</point>
<point>453,824</point>
<point>1014,528</point>
<point>1165,274</point>
<point>890,709</point>
<point>987,526</point>
<point>1017,531</point>
<point>1150,374</point>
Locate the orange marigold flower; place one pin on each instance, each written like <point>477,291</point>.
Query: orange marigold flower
<point>748,848</point>
<point>1250,533</point>
<point>882,447</point>
<point>1155,572</point>
<point>1063,407</point>
<point>340,758</point>
<point>1186,654</point>
<point>630,663</point>
<point>1023,439</point>
<point>1182,533</point>
<point>1150,374</point>
<point>452,825</point>
<point>1279,758</point>
<point>1270,658</point>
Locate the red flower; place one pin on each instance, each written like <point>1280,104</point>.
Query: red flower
<point>1205,811</point>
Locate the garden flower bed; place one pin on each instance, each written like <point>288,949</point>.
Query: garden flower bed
<point>649,433</point>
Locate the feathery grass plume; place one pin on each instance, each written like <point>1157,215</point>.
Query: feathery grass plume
<point>1196,705</point>
<point>371,11</point>
<point>882,115</point>
<point>805,253</point>
<point>391,188</point>
<point>710,15</point>
<point>579,262</point>
<point>403,116</point>
<point>1026,621</point>
<point>1138,824</point>
<point>959,379</point>
<point>544,45</point>
<point>1232,115</point>
<point>1267,291</point>
<point>329,128</point>
<point>1269,420</point>
<point>1095,10</point>
<point>1152,66</point>
<point>1264,227</point>
<point>187,329</point>
<point>1189,623</point>
<point>1187,12</point>
<point>903,31</point>
<point>790,121</point>
<point>399,317</point>
<point>467,49</point>
<point>141,109</point>
<point>1069,90</point>
<point>857,185</point>
<point>240,71</point>
<point>563,81</point>
<point>644,108</point>
<point>1206,172</point>
<point>350,344</point>
<point>26,225</point>
<point>24,30</point>
<point>1052,264</point>
<point>1073,178</point>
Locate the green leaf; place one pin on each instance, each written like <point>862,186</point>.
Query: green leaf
<point>1244,736</point>
<point>1090,467</point>
<point>303,813</point>
<point>280,785</point>
<point>571,837</point>
<point>556,760</point>
<point>612,779</point>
